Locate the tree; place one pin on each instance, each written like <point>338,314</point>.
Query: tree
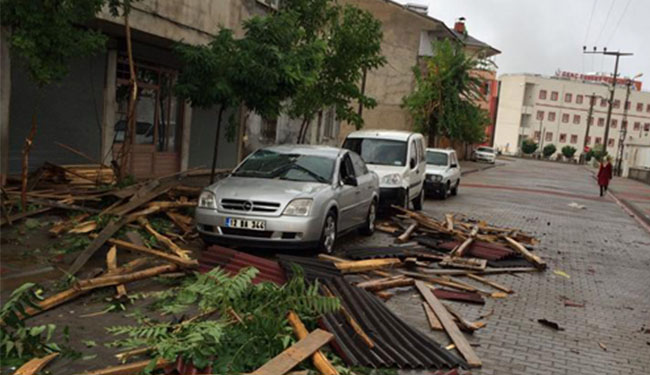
<point>568,152</point>
<point>444,99</point>
<point>352,39</point>
<point>46,35</point>
<point>528,146</point>
<point>549,150</point>
<point>207,78</point>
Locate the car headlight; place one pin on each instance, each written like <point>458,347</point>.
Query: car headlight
<point>298,207</point>
<point>394,179</point>
<point>434,177</point>
<point>207,199</point>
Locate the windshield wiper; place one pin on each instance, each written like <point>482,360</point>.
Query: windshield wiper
<point>297,166</point>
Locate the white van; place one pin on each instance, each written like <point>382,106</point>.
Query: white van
<point>398,158</point>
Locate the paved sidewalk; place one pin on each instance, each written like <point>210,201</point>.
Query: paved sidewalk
<point>605,253</point>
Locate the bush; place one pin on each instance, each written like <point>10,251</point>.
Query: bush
<point>528,146</point>
<point>597,152</point>
<point>568,152</point>
<point>549,150</point>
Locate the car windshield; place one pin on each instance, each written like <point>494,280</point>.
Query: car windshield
<point>436,158</point>
<point>378,151</point>
<point>485,149</point>
<point>293,167</point>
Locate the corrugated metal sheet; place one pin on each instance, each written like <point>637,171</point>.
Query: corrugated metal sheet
<point>312,268</point>
<point>480,249</point>
<point>396,343</point>
<point>457,295</point>
<point>233,261</point>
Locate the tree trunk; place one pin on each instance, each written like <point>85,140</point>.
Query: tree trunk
<point>26,148</point>
<point>216,145</point>
<point>302,129</point>
<point>125,150</point>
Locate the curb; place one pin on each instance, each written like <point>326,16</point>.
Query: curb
<point>628,207</point>
<point>463,173</point>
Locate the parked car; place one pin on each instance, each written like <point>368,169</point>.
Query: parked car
<point>398,159</point>
<point>290,197</point>
<point>443,172</point>
<point>484,153</point>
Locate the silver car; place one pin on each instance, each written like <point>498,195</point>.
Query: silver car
<point>290,197</point>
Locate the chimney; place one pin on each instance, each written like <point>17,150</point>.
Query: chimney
<point>459,26</point>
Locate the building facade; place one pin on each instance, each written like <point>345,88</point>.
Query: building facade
<point>556,110</point>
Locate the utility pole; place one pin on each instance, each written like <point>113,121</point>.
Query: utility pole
<point>540,136</point>
<point>623,134</point>
<point>613,89</point>
<point>592,102</point>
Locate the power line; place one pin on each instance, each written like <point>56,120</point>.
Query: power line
<point>619,22</point>
<point>591,17</point>
<point>605,23</point>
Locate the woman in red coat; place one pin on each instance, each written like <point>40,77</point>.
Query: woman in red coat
<point>604,174</point>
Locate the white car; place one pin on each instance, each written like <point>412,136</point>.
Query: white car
<point>399,160</point>
<point>443,172</point>
<point>484,153</point>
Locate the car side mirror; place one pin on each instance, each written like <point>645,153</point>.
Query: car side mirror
<point>352,181</point>
<point>454,165</point>
<point>412,163</point>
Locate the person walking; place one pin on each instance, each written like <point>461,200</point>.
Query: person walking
<point>604,174</point>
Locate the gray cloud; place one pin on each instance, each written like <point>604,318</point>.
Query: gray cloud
<point>543,36</point>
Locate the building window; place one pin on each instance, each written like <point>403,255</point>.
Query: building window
<point>540,115</point>
<point>565,117</point>
<point>554,96</point>
<point>639,107</point>
<point>537,135</point>
<point>617,103</point>
<point>637,125</point>
<point>601,122</point>
<point>590,121</point>
<point>542,94</point>
<point>579,99</point>
<point>568,97</point>
<point>624,124</point>
<point>330,128</point>
<point>588,139</point>
<point>614,124</point>
<point>646,127</point>
<point>576,119</point>
<point>574,139</point>
<point>610,142</point>
<point>269,129</point>
<point>562,138</point>
<point>603,102</point>
<point>599,140</point>
<point>551,116</point>
<point>548,137</point>
<point>647,108</point>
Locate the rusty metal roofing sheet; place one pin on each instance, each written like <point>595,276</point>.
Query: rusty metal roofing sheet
<point>460,296</point>
<point>233,261</point>
<point>396,343</point>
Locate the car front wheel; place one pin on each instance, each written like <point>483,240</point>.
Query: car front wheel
<point>329,233</point>
<point>368,227</point>
<point>418,202</point>
<point>454,190</point>
<point>445,191</point>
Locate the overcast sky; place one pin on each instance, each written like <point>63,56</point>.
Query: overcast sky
<point>543,36</point>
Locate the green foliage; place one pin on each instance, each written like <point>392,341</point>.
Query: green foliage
<point>568,151</point>
<point>229,345</point>
<point>353,44</point>
<point>444,99</point>
<point>47,35</point>
<point>529,146</point>
<point>19,343</point>
<point>596,152</point>
<point>70,243</point>
<point>549,150</point>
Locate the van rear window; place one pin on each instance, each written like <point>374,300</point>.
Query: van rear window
<point>378,151</point>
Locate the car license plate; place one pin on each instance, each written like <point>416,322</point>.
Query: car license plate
<point>232,222</point>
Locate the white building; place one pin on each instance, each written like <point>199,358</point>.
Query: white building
<point>555,110</point>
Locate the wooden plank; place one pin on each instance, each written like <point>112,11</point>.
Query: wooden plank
<point>21,215</point>
<point>386,283</point>
<point>460,250</point>
<point>490,283</point>
<point>295,354</point>
<point>406,236</point>
<point>321,362</point>
<point>35,365</point>
<point>536,260</point>
<point>487,271</point>
<point>111,265</point>
<point>467,263</point>
<point>450,327</point>
<point>449,220</point>
<point>185,263</point>
<point>163,239</point>
<point>106,233</point>
<point>367,265</point>
<point>55,204</point>
<point>111,280</point>
<point>128,369</point>
<point>434,323</point>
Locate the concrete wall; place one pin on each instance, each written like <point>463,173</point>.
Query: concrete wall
<point>403,30</point>
<point>69,112</point>
<point>509,114</point>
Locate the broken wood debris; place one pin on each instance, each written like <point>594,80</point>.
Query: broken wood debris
<point>295,354</point>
